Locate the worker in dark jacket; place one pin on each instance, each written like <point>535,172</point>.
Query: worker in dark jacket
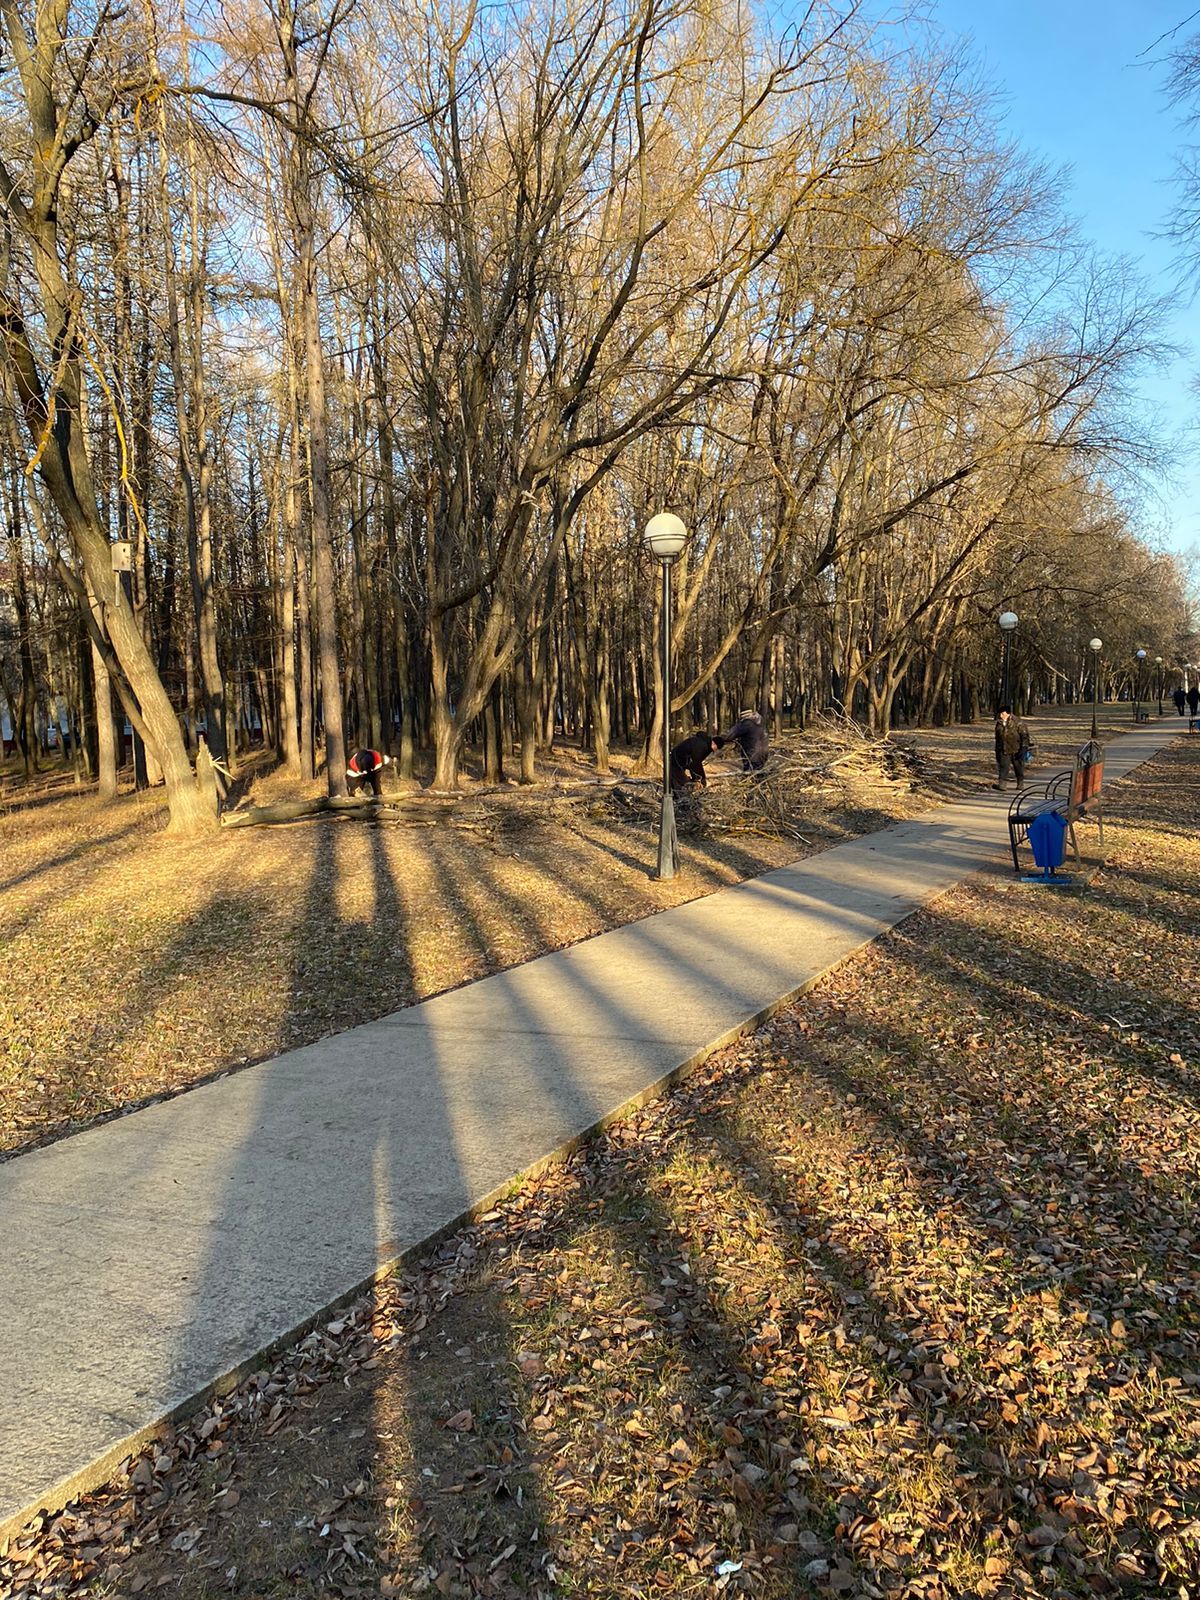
<point>366,767</point>
<point>688,758</point>
<point>1180,699</point>
<point>1012,742</point>
<point>750,737</point>
<point>1193,700</point>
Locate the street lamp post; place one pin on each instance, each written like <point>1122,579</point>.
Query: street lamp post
<point>1008,621</point>
<point>1139,656</point>
<point>1095,646</point>
<point>665,537</point>
<point>1158,662</point>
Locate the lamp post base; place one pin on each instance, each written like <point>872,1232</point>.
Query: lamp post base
<point>668,839</point>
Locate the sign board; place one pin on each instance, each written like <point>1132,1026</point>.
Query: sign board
<point>122,555</point>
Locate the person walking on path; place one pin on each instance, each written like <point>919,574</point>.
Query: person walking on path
<point>1179,698</point>
<point>1012,741</point>
<point>750,737</point>
<point>1193,700</point>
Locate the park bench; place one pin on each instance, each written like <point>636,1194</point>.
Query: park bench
<point>1072,793</point>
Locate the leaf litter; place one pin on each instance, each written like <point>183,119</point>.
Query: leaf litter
<point>135,965</point>
<point>896,1297</point>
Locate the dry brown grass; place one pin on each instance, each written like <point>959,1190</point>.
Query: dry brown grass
<point>135,964</point>
<point>897,1298</point>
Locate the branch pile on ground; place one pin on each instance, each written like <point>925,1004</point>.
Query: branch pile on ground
<point>833,764</point>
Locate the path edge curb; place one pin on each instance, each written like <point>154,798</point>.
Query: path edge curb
<point>101,1468</point>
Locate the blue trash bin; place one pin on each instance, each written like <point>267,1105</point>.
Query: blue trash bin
<point>1048,840</point>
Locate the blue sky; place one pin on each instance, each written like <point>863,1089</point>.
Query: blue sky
<point>1077,87</point>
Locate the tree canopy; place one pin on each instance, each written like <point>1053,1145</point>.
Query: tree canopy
<point>375,333</point>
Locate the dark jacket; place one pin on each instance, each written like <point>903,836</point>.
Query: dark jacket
<point>1011,737</point>
<point>688,758</point>
<point>750,737</point>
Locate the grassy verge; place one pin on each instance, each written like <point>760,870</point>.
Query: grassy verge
<point>896,1298</point>
<point>135,965</point>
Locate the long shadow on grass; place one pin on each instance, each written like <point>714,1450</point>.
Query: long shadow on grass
<point>1020,995</point>
<point>459,1451</point>
<point>311,1179</point>
<point>997,1461</point>
<point>994,1150</point>
<point>574,1089</point>
<point>700,1349</point>
<point>1166,907</point>
<point>275,1199</point>
<point>94,1063</point>
<point>976,1417</point>
<point>441,1422</point>
<point>1162,884</point>
<point>815,1331</point>
<point>66,858</point>
<point>970,1394</point>
<point>703,1343</point>
<point>748,1430</point>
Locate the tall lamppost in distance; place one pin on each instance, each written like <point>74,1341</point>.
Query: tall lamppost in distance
<point>1095,646</point>
<point>665,537</point>
<point>1008,621</point>
<point>1159,665</point>
<point>1139,657</point>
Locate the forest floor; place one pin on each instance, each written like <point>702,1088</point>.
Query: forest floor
<point>898,1297</point>
<point>136,965</point>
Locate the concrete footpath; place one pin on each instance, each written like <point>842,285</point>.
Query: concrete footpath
<point>142,1261</point>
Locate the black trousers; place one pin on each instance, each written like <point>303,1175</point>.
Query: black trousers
<point>356,781</point>
<point>1018,767</point>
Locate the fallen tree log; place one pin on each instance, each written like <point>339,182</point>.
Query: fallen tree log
<point>293,810</point>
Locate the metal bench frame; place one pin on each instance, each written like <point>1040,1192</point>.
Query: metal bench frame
<point>1073,792</point>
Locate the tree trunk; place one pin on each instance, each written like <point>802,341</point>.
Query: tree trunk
<point>194,450</point>
<point>65,471</point>
<point>600,689</point>
<point>493,748</point>
<point>527,689</point>
<point>106,730</point>
<point>54,421</point>
<point>25,709</point>
<point>325,576</point>
<point>405,687</point>
<point>650,759</point>
<point>447,734</point>
<point>777,688</point>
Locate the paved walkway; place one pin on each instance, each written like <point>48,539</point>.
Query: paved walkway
<point>147,1258</point>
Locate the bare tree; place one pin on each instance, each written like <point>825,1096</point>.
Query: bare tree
<point>62,108</point>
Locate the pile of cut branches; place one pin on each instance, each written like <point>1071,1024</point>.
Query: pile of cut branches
<point>834,764</point>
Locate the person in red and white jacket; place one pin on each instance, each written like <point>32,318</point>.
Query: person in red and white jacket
<point>366,767</point>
